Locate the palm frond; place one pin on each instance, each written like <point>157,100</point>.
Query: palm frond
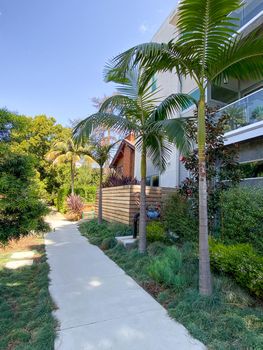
<point>242,58</point>
<point>172,105</point>
<point>175,131</point>
<point>83,130</point>
<point>205,26</point>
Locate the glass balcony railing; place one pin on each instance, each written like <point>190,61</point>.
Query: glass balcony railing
<point>247,12</point>
<point>246,111</point>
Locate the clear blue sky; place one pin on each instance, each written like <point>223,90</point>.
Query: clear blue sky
<point>53,51</point>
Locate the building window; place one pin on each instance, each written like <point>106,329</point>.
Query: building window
<point>222,94</point>
<point>152,181</point>
<point>252,169</point>
<point>154,83</point>
<point>119,170</point>
<point>196,95</point>
<point>155,181</point>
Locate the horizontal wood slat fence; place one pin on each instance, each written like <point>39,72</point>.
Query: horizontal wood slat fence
<point>121,203</point>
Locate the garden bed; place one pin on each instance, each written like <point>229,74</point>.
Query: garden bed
<point>26,320</point>
<point>229,319</point>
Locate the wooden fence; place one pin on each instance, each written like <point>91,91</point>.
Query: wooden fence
<point>121,203</point>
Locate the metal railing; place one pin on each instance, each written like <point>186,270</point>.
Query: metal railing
<point>246,111</point>
<point>247,12</point>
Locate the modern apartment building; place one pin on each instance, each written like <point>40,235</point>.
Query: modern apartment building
<point>243,100</point>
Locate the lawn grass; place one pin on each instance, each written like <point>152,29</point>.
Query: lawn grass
<point>230,319</point>
<point>26,321</point>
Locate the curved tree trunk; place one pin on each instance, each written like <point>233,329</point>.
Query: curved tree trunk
<point>205,285</point>
<point>100,198</point>
<point>72,173</point>
<point>142,224</point>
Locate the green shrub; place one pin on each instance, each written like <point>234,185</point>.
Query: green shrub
<point>242,216</point>
<point>156,248</point>
<point>177,217</point>
<point>61,204</point>
<point>167,269</point>
<point>155,232</point>
<point>241,262</point>
<point>87,192</point>
<point>21,210</point>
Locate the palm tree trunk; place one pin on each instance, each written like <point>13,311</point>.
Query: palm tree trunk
<point>72,173</point>
<point>205,285</point>
<point>142,224</point>
<point>100,198</point>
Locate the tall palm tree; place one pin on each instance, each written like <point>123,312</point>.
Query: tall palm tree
<point>68,152</point>
<point>135,109</point>
<point>100,152</point>
<point>208,49</point>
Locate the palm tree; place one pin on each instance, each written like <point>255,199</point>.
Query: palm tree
<point>135,109</point>
<point>68,152</point>
<point>100,152</point>
<point>208,49</point>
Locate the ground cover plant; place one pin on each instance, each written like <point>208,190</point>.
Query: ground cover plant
<point>26,321</point>
<point>229,319</point>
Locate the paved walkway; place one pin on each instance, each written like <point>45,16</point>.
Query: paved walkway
<point>99,306</point>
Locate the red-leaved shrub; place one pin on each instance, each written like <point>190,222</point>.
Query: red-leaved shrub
<point>75,207</point>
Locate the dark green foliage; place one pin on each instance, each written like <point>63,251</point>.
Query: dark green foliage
<point>228,320</point>
<point>97,233</point>
<point>60,202</point>
<point>221,164</point>
<point>88,192</point>
<point>241,262</point>
<point>167,269</point>
<point>177,217</point>
<point>242,216</point>
<point>155,232</point>
<point>21,211</point>
<point>26,320</point>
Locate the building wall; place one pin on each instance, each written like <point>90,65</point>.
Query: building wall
<point>169,83</point>
<point>125,164</point>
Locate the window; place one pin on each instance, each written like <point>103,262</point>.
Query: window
<point>252,169</point>
<point>155,181</point>
<point>195,94</point>
<point>152,181</point>
<point>222,94</point>
<point>154,83</point>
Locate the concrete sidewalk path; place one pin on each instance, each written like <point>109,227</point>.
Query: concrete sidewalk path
<point>99,306</point>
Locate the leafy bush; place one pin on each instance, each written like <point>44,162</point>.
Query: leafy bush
<point>167,269</point>
<point>177,217</point>
<point>21,211</point>
<point>155,231</point>
<point>114,180</point>
<point>241,262</point>
<point>75,206</point>
<point>87,192</point>
<point>242,216</point>
<point>60,203</point>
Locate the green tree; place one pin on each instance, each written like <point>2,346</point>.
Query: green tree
<point>21,210</point>
<point>208,49</point>
<point>67,152</point>
<point>135,109</point>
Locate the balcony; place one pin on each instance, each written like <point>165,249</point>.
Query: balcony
<point>250,10</point>
<point>246,111</point>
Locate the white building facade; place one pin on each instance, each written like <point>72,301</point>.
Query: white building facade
<point>243,100</point>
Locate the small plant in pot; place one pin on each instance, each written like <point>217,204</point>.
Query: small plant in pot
<point>75,207</point>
